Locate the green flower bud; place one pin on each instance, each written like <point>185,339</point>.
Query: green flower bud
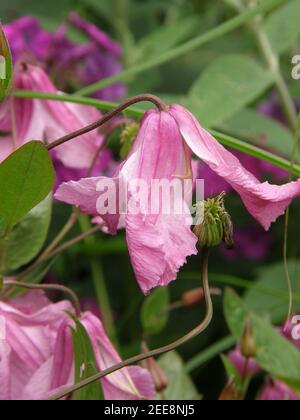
<point>248,341</point>
<point>128,137</point>
<point>216,225</point>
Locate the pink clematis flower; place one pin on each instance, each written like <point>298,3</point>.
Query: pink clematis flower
<point>158,245</point>
<point>36,355</point>
<point>30,324</point>
<point>28,119</point>
<point>131,383</point>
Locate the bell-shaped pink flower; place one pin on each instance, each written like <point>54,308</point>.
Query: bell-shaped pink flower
<point>29,327</point>
<point>37,358</point>
<point>159,244</point>
<point>45,120</point>
<point>57,373</point>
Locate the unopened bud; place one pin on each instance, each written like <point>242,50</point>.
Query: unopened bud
<point>230,392</point>
<point>228,231</point>
<point>128,137</point>
<point>159,377</point>
<point>194,296</point>
<point>216,225</point>
<point>248,342</point>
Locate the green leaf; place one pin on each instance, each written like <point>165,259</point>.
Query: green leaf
<point>26,178</point>
<point>85,365</point>
<point>154,315</point>
<point>6,66</point>
<point>275,354</point>
<point>226,86</point>
<point>260,130</point>
<point>180,385</point>
<point>282,26</point>
<point>232,372</point>
<point>28,237</point>
<point>166,37</point>
<point>273,278</point>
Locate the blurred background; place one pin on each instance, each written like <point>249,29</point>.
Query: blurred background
<point>145,30</point>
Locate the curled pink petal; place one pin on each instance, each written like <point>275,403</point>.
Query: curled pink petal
<point>265,202</point>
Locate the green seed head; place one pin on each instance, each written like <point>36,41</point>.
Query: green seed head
<point>216,226</point>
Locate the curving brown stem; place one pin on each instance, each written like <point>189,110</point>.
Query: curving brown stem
<point>56,287</point>
<point>153,353</point>
<point>140,98</point>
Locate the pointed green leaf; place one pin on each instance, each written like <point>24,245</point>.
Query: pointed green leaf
<point>85,364</point>
<point>282,26</point>
<point>226,86</point>
<point>26,178</point>
<point>27,238</point>
<point>154,315</point>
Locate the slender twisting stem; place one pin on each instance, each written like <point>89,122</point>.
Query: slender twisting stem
<point>136,99</point>
<point>224,139</point>
<point>63,232</point>
<point>153,353</point>
<point>57,287</point>
<point>57,251</point>
<point>272,61</point>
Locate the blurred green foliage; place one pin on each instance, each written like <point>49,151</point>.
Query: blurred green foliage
<point>147,28</point>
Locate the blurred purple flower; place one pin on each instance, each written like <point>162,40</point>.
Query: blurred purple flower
<point>277,391</point>
<point>68,63</point>
<point>251,243</point>
<point>89,304</point>
<point>272,108</point>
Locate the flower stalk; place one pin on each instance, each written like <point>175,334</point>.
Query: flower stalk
<point>136,99</point>
<point>154,353</point>
<point>47,287</point>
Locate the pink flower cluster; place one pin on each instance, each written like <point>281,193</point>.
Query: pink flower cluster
<point>37,359</point>
<point>69,64</point>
